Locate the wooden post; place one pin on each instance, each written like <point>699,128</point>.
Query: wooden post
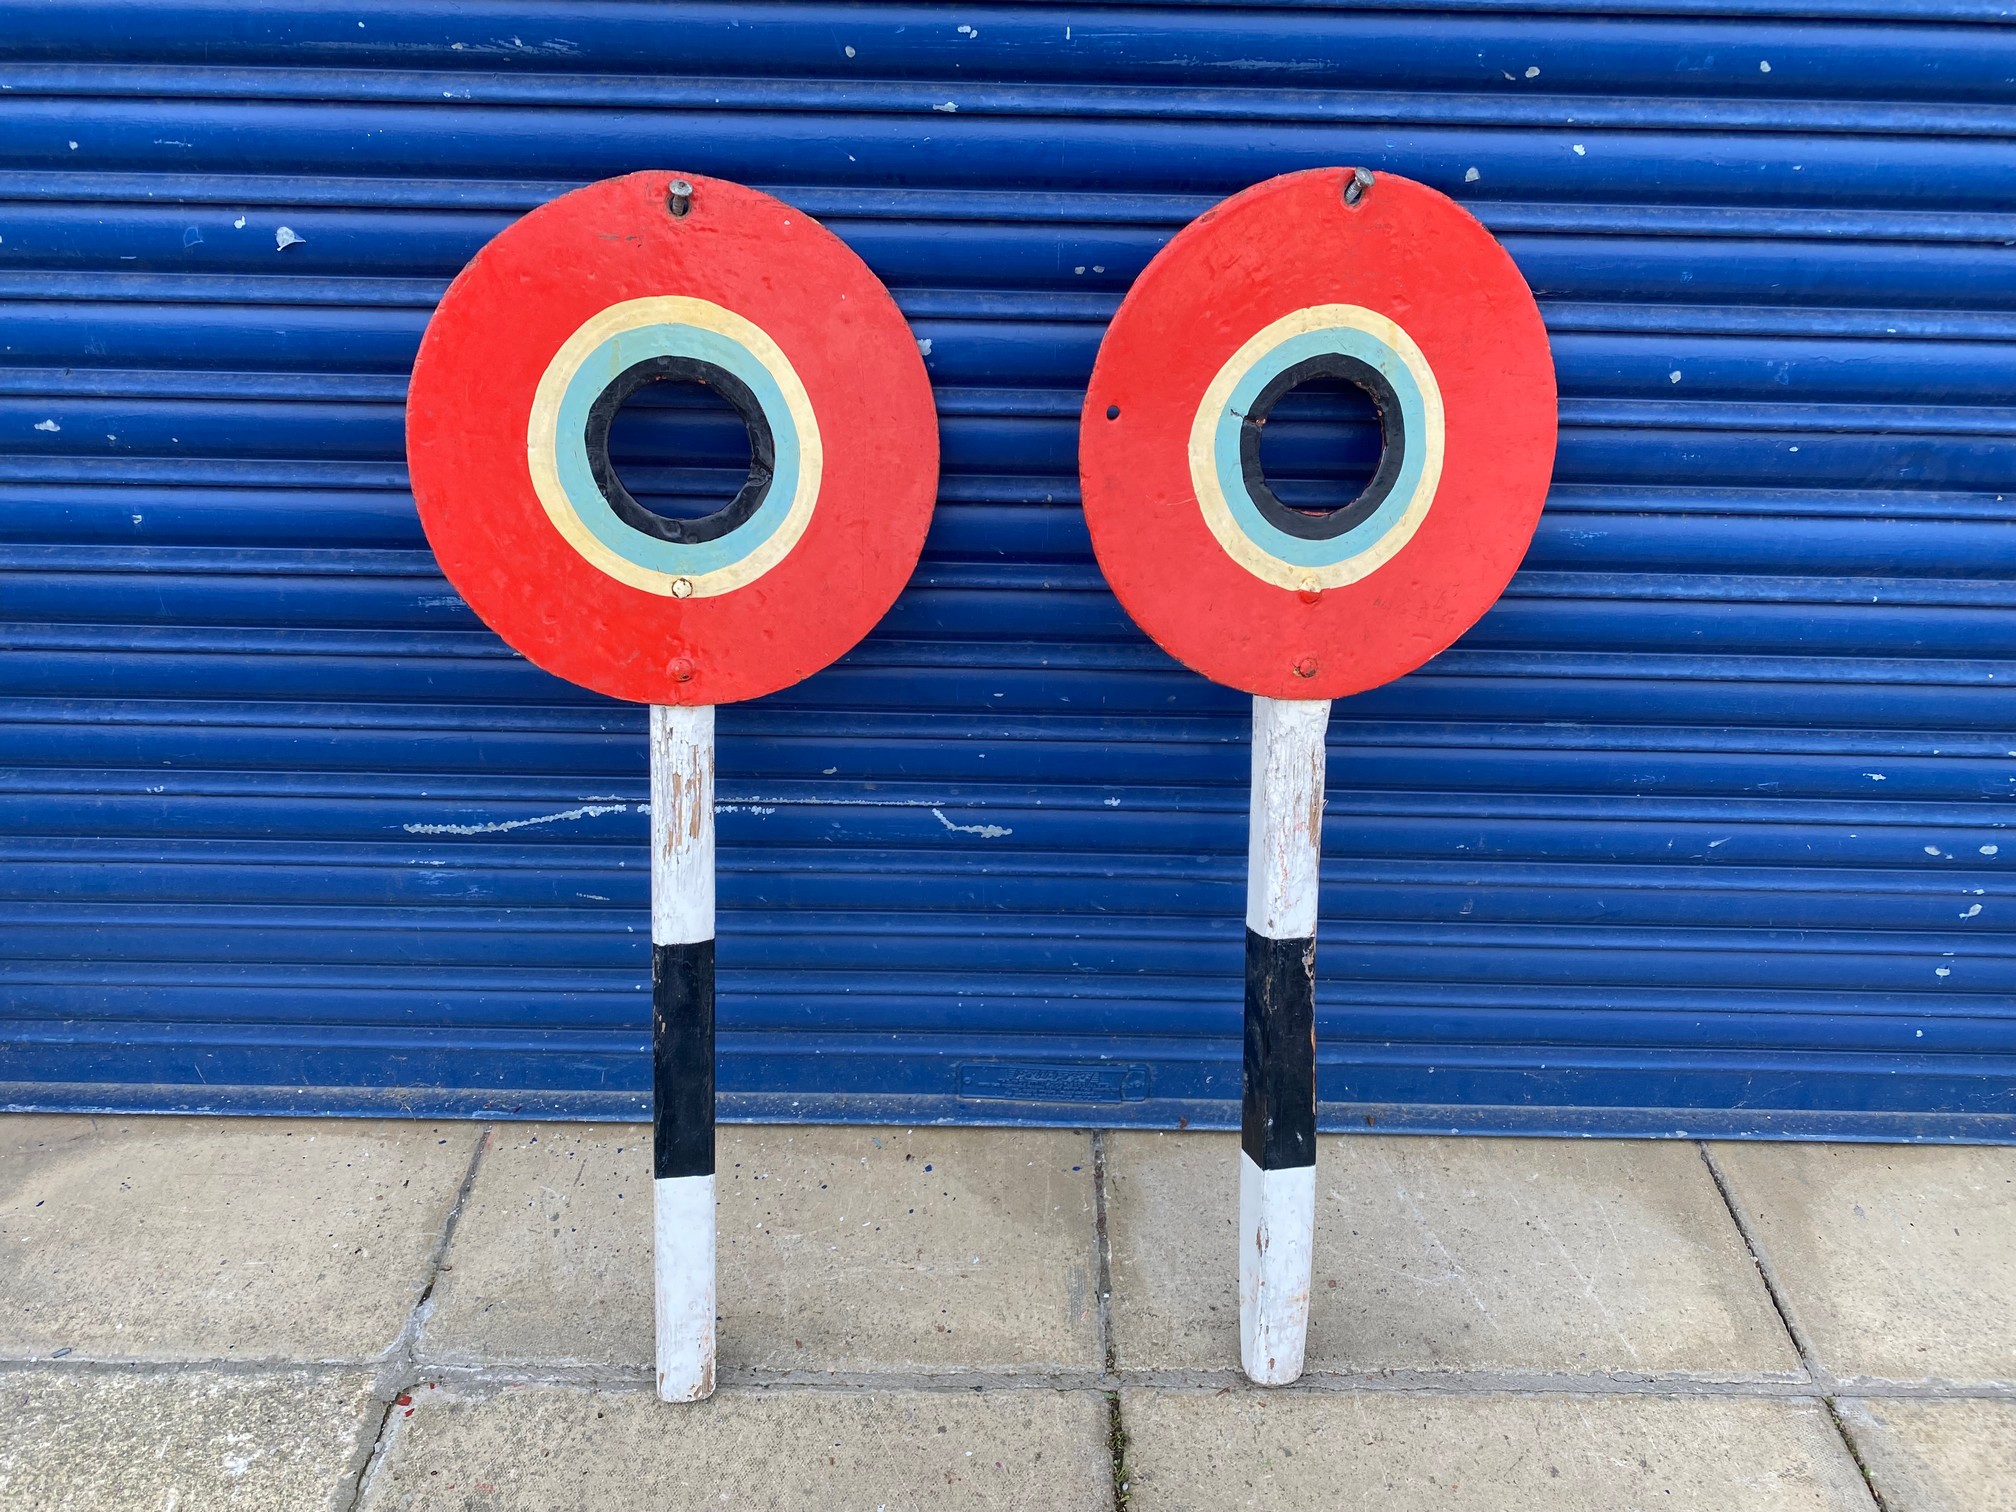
<point>1277,1163</point>
<point>682,1045</point>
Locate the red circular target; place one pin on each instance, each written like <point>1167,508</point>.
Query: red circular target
<point>628,282</point>
<point>1396,289</point>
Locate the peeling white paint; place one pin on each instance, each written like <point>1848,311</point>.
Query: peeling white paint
<point>916,803</point>
<point>984,831</point>
<point>586,811</point>
<point>1875,776</point>
<point>1942,971</point>
<point>1470,175</point>
<point>1533,73</point>
<point>849,51</point>
<point>682,827</point>
<point>1971,911</point>
<point>1580,150</point>
<point>1931,850</point>
<point>239,224</point>
<point>47,425</point>
<point>949,108</point>
<point>1284,832</point>
<point>924,346</point>
<point>1989,850</point>
<point>1674,376</point>
<point>287,237</point>
<point>1762,66</point>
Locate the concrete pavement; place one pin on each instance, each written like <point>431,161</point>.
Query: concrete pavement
<point>370,1316</point>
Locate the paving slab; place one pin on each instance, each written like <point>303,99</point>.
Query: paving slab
<point>75,1439</point>
<point>1896,1261</point>
<point>839,1249</point>
<point>545,1448</point>
<point>209,1238</point>
<point>1452,1254</point>
<point>1937,1456</point>
<point>1425,1452</point>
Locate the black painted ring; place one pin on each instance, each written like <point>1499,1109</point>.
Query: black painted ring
<point>1392,430</point>
<point>762,449</point>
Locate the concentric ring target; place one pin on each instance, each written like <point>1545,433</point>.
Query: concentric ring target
<point>1401,293</point>
<point>671,337</point>
<point>1289,547</point>
<point>560,320</point>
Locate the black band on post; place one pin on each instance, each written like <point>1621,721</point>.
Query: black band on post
<point>1278,1106</point>
<point>682,1059</point>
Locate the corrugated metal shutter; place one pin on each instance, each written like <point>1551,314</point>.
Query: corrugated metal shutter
<point>1707,816</point>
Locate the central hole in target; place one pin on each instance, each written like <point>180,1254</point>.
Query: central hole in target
<point>1320,445</point>
<point>680,448</point>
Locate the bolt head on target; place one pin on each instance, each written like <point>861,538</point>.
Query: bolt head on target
<point>655,276</point>
<point>1398,290</point>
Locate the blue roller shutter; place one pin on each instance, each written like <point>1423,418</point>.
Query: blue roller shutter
<point>1702,828</point>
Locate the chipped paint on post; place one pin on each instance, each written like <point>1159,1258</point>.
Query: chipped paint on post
<point>1284,837</point>
<point>682,823</point>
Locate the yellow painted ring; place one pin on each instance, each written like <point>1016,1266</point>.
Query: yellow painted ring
<point>542,442</point>
<point>1206,472</point>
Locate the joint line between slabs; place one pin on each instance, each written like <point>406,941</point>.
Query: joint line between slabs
<point>638,1378</point>
<point>1103,1270</point>
<point>1779,1304</point>
<point>1855,1454</point>
<point>401,1369</point>
<point>1116,1427</point>
<point>1822,1378</point>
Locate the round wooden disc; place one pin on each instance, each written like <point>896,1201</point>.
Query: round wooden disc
<point>534,348</point>
<point>1402,293</point>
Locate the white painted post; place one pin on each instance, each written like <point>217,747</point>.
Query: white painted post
<point>1277,1162</point>
<point>682,1041</point>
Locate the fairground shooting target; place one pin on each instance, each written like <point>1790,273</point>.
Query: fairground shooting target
<point>1376,281</point>
<point>659,278</point>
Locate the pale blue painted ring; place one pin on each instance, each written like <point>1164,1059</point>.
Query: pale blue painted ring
<point>1349,341</point>
<point>617,355</point>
